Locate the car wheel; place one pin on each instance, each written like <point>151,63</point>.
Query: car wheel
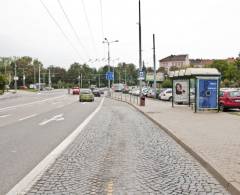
<point>170,99</point>
<point>222,108</point>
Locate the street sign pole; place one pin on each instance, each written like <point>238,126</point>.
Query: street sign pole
<point>154,67</point>
<point>15,77</point>
<point>140,47</point>
<point>39,78</point>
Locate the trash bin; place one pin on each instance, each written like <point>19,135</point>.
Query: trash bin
<point>142,100</point>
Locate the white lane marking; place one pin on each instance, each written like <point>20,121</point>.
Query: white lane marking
<point>58,117</point>
<point>4,116</point>
<point>28,181</point>
<point>7,109</point>
<point>40,101</point>
<point>27,117</point>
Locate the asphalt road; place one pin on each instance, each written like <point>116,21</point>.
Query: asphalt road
<point>31,126</point>
<point>122,152</point>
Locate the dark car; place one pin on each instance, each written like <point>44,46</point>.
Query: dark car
<point>96,92</point>
<point>229,99</point>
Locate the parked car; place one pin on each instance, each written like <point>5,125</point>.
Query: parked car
<point>75,91</point>
<point>125,89</point>
<point>229,99</point>
<point>166,94</point>
<point>23,87</point>
<point>117,87</point>
<point>96,92</point>
<point>86,95</point>
<point>136,92</point>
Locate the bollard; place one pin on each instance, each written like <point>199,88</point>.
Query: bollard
<point>142,100</point>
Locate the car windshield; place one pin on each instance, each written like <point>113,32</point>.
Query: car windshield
<point>234,93</point>
<point>85,91</point>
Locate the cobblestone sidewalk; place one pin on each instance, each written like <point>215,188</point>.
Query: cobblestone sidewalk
<point>123,152</point>
<point>214,137</point>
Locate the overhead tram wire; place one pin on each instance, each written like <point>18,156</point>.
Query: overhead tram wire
<point>89,27</point>
<point>72,27</point>
<point>60,28</point>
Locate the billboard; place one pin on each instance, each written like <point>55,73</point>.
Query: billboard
<point>207,93</point>
<point>181,90</point>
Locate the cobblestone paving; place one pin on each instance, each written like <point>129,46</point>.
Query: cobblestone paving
<point>121,152</point>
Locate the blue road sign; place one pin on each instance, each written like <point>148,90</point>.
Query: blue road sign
<point>109,76</point>
<point>141,75</point>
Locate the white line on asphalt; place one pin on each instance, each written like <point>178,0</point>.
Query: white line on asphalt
<point>58,117</point>
<point>4,116</point>
<point>7,109</point>
<point>21,105</point>
<point>28,181</point>
<point>27,117</point>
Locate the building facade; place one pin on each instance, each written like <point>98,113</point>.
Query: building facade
<point>179,61</point>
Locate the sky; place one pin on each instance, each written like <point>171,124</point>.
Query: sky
<point>201,28</point>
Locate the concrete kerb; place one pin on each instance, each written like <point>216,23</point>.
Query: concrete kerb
<point>221,179</point>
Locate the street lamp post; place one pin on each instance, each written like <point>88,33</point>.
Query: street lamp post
<point>39,78</point>
<point>108,44</point>
<point>15,77</point>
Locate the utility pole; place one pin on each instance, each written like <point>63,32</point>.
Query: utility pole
<point>154,67</point>
<point>49,78</point>
<point>108,43</point>
<point>34,74</point>
<point>99,84</point>
<point>39,78</point>
<point>15,77</point>
<point>24,77</point>
<point>81,80</point>
<point>140,46</point>
<point>125,75</point>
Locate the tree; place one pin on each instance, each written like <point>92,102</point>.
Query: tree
<point>2,84</point>
<point>167,84</point>
<point>173,68</point>
<point>162,69</point>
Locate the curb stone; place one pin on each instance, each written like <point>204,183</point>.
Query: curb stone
<point>231,187</point>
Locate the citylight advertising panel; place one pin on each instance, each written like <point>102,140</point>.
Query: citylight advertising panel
<point>181,90</point>
<point>207,93</point>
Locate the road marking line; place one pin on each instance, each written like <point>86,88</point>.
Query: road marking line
<point>28,181</point>
<point>7,109</point>
<point>40,101</point>
<point>27,117</point>
<point>58,117</point>
<point>4,116</point>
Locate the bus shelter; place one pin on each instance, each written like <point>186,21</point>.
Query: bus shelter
<point>199,87</point>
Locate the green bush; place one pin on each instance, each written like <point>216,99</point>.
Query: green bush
<point>167,83</point>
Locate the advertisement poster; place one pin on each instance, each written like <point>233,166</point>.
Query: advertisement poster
<point>181,90</point>
<point>207,93</point>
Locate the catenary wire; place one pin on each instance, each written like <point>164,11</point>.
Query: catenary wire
<point>72,27</point>
<point>89,27</point>
<point>60,28</point>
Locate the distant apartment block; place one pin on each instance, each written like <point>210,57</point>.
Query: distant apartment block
<point>183,61</point>
<point>179,61</point>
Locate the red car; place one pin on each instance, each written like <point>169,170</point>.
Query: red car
<point>75,91</point>
<point>229,99</point>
